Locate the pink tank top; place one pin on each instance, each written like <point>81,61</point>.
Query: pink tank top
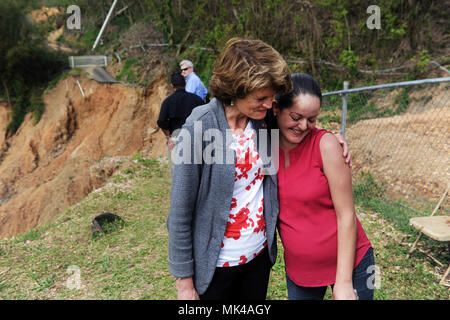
<point>307,221</point>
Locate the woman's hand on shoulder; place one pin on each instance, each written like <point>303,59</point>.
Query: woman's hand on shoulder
<point>333,147</point>
<point>338,173</point>
<point>346,151</point>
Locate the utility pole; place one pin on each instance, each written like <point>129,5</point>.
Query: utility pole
<point>104,24</point>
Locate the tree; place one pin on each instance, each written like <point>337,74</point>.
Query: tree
<point>26,65</point>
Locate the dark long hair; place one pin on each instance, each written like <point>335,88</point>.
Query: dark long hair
<point>301,84</point>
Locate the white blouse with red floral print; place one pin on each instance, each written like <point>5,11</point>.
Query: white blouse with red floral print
<point>245,234</point>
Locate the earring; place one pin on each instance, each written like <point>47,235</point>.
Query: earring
<point>232,103</point>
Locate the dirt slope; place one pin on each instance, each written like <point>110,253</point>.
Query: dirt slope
<point>410,152</point>
<point>73,149</point>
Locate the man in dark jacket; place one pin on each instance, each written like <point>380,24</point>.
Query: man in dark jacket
<point>176,108</point>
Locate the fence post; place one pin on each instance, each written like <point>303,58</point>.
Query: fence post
<point>81,89</point>
<point>344,109</point>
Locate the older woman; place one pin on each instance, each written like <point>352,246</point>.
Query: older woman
<point>224,207</point>
<point>223,212</point>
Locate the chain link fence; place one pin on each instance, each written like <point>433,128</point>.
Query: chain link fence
<point>399,135</point>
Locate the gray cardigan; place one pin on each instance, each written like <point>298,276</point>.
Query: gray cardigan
<point>201,197</point>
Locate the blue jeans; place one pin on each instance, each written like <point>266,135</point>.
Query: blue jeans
<point>363,282</point>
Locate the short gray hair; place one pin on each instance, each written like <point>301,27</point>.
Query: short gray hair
<point>186,63</point>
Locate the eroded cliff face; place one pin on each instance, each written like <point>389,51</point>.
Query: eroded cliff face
<point>74,148</point>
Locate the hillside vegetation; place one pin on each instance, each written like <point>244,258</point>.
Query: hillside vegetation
<point>326,38</point>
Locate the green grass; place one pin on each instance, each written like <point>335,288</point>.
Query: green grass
<point>394,235</point>
<point>131,262</point>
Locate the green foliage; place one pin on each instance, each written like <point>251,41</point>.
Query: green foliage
<point>31,235</point>
<point>33,65</point>
<point>349,59</point>
<point>52,83</point>
<point>366,186</point>
<point>329,118</point>
<point>331,30</point>
<point>313,32</point>
<point>29,69</point>
<point>13,28</point>
<point>25,64</point>
<point>18,113</point>
<point>53,3</point>
<point>393,28</point>
<point>422,60</point>
<point>402,101</point>
<point>371,194</point>
<point>127,72</point>
<point>310,32</point>
<point>88,38</point>
<point>362,106</point>
<point>36,104</point>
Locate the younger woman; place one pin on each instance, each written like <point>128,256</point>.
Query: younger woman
<point>323,240</point>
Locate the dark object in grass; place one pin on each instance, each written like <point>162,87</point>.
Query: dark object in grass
<point>105,223</point>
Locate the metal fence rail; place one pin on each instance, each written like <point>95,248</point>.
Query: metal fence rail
<point>89,61</point>
<point>399,133</point>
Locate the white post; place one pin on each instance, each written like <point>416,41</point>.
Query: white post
<point>118,57</point>
<point>344,109</point>
<point>104,24</point>
<point>81,89</point>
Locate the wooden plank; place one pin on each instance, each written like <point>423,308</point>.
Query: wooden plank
<point>436,227</point>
